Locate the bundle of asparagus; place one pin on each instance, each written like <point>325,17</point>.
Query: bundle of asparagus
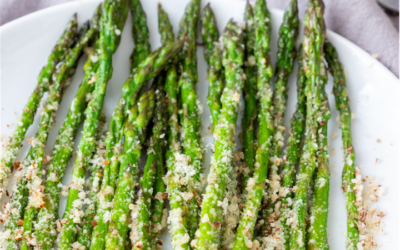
<point>29,189</point>
<point>45,80</point>
<point>113,19</point>
<point>295,210</point>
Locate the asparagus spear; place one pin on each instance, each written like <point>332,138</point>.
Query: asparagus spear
<point>212,53</point>
<point>140,34</point>
<point>286,55</point>
<point>192,143</point>
<point>159,212</point>
<point>255,185</point>
<point>44,81</point>
<point>250,96</point>
<point>96,172</point>
<point>141,236</point>
<point>343,105</point>
<point>224,134</point>
<point>62,79</point>
<point>293,150</point>
<point>164,26</point>
<point>316,79</point>
<point>317,232</point>
<point>147,69</point>
<point>111,24</point>
<point>188,28</point>
<point>176,176</point>
<point>134,131</point>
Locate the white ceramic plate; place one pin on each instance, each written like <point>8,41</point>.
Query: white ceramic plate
<point>373,90</point>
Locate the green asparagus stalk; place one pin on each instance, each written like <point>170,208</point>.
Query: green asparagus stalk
<point>316,78</point>
<point>210,224</point>
<point>188,28</point>
<point>317,232</point>
<point>212,53</point>
<point>250,96</point>
<point>164,26</point>
<point>175,177</point>
<point>293,150</point>
<point>147,69</point>
<point>192,143</point>
<point>255,184</point>
<point>159,212</point>
<point>140,34</point>
<point>343,105</point>
<point>44,81</point>
<point>141,235</point>
<point>111,24</point>
<point>96,172</point>
<point>286,55</point>
<point>134,131</point>
<point>175,161</point>
<point>47,119</point>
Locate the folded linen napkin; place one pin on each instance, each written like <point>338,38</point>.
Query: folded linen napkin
<point>361,21</point>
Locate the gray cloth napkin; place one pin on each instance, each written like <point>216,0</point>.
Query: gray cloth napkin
<point>361,21</point>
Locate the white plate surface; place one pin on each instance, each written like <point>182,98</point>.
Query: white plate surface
<point>373,90</point>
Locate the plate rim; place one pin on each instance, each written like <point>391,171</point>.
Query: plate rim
<point>330,34</point>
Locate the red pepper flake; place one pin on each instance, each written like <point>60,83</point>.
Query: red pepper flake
<point>94,223</point>
<point>20,222</point>
<point>363,216</point>
<point>164,195</point>
<point>323,123</point>
<point>350,149</point>
<point>342,106</point>
<point>340,82</point>
<point>166,101</point>
<point>272,217</point>
<point>159,242</point>
<point>92,216</point>
<point>378,140</point>
<point>217,224</point>
<point>42,204</point>
<point>106,162</point>
<point>17,164</point>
